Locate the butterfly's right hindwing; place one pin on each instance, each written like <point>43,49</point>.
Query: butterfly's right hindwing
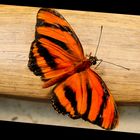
<point>85,95</point>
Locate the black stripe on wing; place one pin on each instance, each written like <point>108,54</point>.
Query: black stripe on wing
<point>57,105</point>
<point>89,97</point>
<point>53,40</point>
<point>32,63</point>
<point>105,97</point>
<point>46,55</point>
<point>42,23</point>
<point>70,95</point>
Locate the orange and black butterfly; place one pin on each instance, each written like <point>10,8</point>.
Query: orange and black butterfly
<point>57,56</point>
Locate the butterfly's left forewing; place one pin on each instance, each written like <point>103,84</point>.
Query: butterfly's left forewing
<point>85,95</point>
<point>56,48</point>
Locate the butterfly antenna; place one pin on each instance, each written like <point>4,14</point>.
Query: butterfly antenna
<point>111,64</point>
<point>98,41</point>
<point>100,60</point>
<point>116,65</point>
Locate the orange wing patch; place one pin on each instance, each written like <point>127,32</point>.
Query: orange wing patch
<point>57,56</point>
<point>54,27</point>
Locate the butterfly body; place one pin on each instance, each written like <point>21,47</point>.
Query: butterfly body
<point>57,56</point>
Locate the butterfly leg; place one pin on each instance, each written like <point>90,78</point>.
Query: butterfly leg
<point>100,61</point>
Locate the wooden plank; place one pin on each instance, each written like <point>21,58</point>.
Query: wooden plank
<point>120,44</point>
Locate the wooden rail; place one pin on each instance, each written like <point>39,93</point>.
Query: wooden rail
<point>120,44</point>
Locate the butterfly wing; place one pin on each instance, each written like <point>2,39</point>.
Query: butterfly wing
<point>55,49</point>
<point>85,95</point>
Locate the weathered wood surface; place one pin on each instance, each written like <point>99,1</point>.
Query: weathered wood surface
<point>120,44</point>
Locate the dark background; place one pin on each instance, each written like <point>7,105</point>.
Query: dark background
<point>114,6</point>
<point>40,131</point>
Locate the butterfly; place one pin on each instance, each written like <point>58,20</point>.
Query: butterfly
<point>57,56</point>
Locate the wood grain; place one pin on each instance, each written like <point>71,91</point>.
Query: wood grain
<point>120,44</point>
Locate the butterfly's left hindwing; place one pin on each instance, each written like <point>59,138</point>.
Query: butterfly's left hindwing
<point>85,95</point>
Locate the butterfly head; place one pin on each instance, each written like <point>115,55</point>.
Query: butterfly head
<point>93,60</point>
